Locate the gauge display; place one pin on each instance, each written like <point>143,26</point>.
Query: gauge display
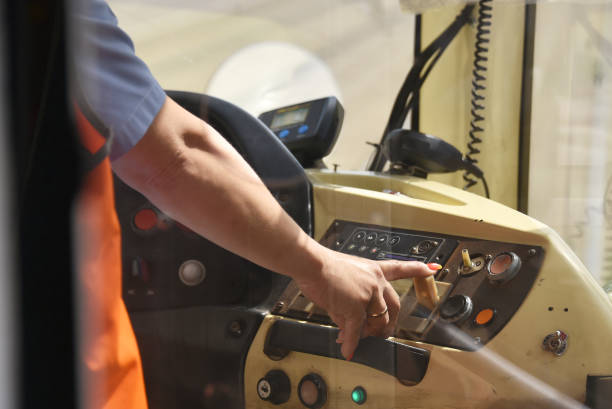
<point>288,118</point>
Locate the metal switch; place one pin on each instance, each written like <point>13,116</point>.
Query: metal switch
<point>555,342</point>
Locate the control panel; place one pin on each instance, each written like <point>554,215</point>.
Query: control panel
<point>166,265</point>
<point>481,285</point>
<point>275,388</point>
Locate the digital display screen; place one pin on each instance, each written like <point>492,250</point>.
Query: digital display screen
<point>400,257</point>
<point>288,118</point>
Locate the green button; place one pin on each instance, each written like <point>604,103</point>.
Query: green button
<point>359,395</point>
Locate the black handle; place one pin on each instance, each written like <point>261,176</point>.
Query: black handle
<point>407,363</point>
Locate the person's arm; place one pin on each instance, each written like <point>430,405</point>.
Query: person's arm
<point>194,175</point>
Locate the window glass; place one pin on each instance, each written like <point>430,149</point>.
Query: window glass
<point>572,129</point>
<point>492,307</point>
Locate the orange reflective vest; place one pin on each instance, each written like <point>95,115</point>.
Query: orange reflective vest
<point>111,373</point>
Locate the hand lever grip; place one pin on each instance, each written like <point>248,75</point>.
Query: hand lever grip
<point>407,363</point>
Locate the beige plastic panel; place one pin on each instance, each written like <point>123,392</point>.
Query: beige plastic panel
<point>513,369</point>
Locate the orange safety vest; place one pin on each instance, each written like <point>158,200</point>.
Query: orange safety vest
<point>111,372</point>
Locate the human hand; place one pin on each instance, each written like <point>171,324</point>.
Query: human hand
<point>357,295</point>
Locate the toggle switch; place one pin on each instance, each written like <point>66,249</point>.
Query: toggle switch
<point>140,270</point>
<point>555,342</point>
<point>467,262</point>
<point>470,265</point>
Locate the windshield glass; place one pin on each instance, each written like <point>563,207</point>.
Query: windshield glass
<point>282,161</point>
<point>264,55</point>
<point>571,161</point>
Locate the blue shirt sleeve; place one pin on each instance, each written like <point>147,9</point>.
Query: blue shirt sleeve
<point>116,84</point>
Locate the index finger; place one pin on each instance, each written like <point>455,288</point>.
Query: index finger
<point>395,270</point>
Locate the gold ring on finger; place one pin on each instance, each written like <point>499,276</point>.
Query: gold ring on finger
<point>376,315</point>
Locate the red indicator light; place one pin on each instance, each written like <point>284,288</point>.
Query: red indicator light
<point>145,219</point>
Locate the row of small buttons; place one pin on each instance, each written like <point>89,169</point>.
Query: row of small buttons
<point>374,237</point>
<point>363,249</point>
<point>285,132</point>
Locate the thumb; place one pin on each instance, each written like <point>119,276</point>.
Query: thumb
<point>395,270</point>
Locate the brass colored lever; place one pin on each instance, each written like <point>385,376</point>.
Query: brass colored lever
<point>426,291</point>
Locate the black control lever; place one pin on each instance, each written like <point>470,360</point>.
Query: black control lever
<point>407,363</point>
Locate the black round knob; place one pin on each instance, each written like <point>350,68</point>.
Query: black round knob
<point>275,387</point>
<point>312,391</point>
<point>504,267</point>
<point>457,308</point>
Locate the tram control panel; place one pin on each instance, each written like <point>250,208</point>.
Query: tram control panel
<point>481,285</point>
<point>208,320</point>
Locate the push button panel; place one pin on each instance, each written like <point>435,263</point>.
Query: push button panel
<point>166,265</point>
<point>381,244</point>
<point>481,285</point>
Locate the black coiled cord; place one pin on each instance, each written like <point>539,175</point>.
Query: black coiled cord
<point>478,78</point>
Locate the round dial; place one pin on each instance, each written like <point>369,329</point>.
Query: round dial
<point>457,308</point>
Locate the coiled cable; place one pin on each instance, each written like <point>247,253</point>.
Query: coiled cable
<point>478,87</point>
